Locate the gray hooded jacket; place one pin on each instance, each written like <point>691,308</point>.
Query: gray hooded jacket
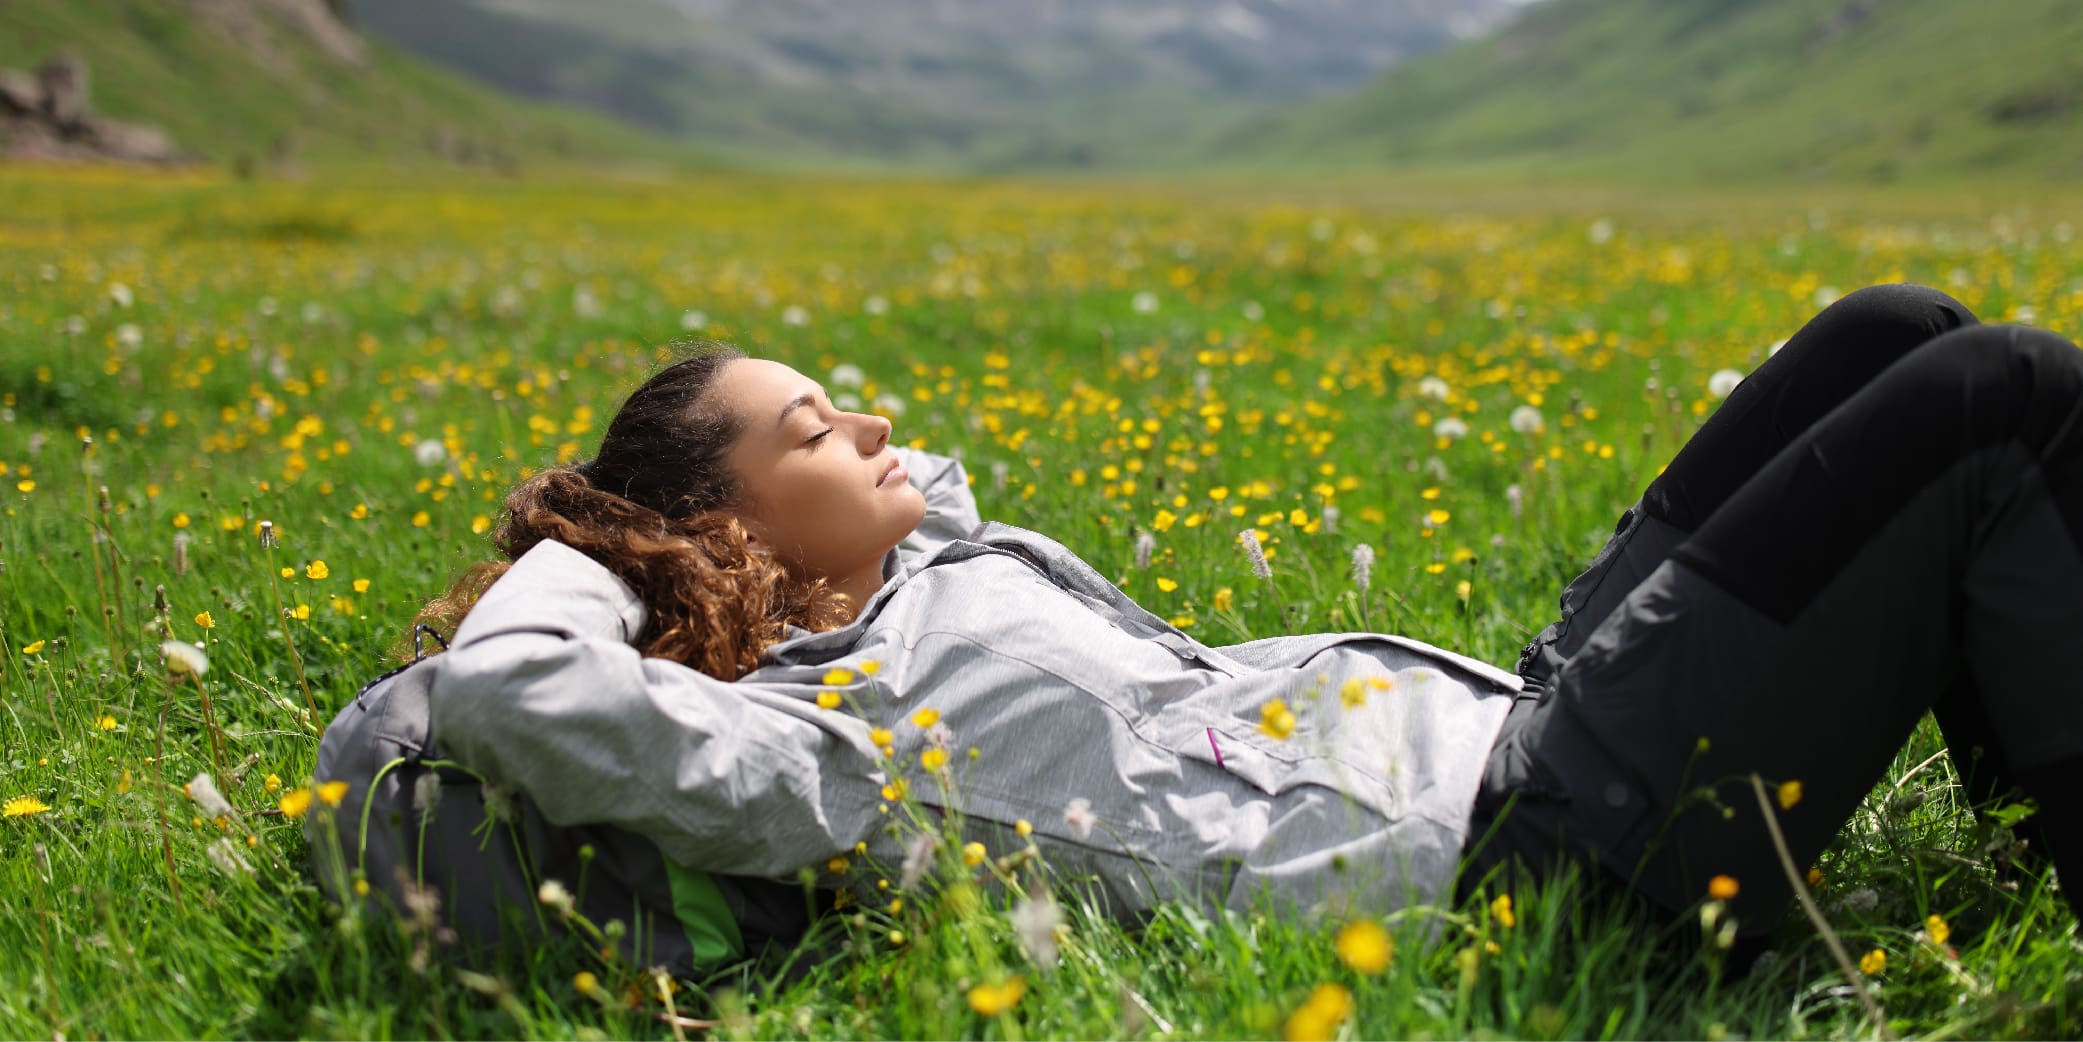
<point>1135,751</point>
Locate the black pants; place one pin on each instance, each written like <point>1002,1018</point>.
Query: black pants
<point>1882,520</point>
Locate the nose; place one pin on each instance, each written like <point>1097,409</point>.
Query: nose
<point>872,433</point>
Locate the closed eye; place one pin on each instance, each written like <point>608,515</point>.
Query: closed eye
<point>819,437</point>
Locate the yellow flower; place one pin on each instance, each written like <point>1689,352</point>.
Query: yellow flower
<point>1326,1008</point>
<point>973,854</point>
<point>316,570</point>
<point>925,718</point>
<point>1365,946</point>
<point>828,700</point>
<point>1023,827</point>
<point>1501,910</point>
<point>288,572</point>
<point>1163,520</point>
<point>33,647</point>
<point>585,982</point>
<point>1224,598</point>
<point>26,485</point>
<point>838,676</point>
<point>990,1000</point>
<point>1873,963</point>
<point>1438,516</point>
<point>22,807</point>
<point>837,865</point>
<point>295,802</point>
<point>1166,585</point>
<point>933,759</point>
<point>480,524</point>
<point>180,520</point>
<point>106,723</point>
<point>205,620</point>
<point>273,785</point>
<point>1276,719</point>
<point>1789,794</point>
<point>1722,888</point>
<point>1815,879</point>
<point>333,792</point>
<point>361,586</point>
<point>1463,589</point>
<point>870,667</point>
<point>301,612</point>
<point>895,790</point>
<point>124,783</point>
<point>881,737</point>
<point>1353,693</point>
<point>1938,929</point>
<point>422,519</point>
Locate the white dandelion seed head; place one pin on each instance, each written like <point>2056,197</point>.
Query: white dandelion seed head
<point>847,401</point>
<point>1600,232</point>
<point>1515,498</point>
<point>226,858</point>
<point>1527,420</point>
<point>795,315</point>
<point>999,472</point>
<point>1144,303</point>
<point>1363,566</point>
<point>1078,815</point>
<point>1450,427</point>
<point>267,307</point>
<point>584,302</point>
<point>1145,545</point>
<point>847,374</point>
<point>1435,388</point>
<point>876,305</point>
<point>1826,296</point>
<point>940,736</point>
<point>918,856</point>
<point>314,312</point>
<point>499,802</point>
<point>426,795</point>
<point>129,336</point>
<point>1864,899</point>
<point>184,659</point>
<point>692,320</point>
<point>1331,520</point>
<point>889,404</point>
<point>1723,382</point>
<point>120,295</point>
<point>429,453</point>
<point>1035,921</point>
<point>1254,311</point>
<point>1436,469</point>
<point>2024,313</point>
<point>203,790</point>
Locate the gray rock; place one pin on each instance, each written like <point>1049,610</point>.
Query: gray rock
<point>65,85</point>
<point>20,93</point>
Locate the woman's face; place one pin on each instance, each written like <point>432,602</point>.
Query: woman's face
<point>817,484</point>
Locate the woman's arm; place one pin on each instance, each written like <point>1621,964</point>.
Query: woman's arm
<point>542,690</point>
<point>950,505</point>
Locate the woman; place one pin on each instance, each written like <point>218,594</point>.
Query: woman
<point>721,633</point>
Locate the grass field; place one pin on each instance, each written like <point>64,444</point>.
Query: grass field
<point>1109,359</point>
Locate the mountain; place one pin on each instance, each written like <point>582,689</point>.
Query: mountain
<point>1858,91</point>
<point>286,81</point>
<point>976,84</point>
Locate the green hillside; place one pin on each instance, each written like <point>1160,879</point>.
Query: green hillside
<point>1710,90</point>
<point>246,82</point>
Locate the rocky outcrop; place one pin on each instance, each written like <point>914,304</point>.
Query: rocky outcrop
<point>49,114</point>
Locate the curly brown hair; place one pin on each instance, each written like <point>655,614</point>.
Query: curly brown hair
<point>651,508</point>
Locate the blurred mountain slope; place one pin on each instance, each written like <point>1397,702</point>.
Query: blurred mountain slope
<point>1794,90</point>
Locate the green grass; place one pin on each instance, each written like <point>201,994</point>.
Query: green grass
<point>284,347</point>
<point>1787,91</point>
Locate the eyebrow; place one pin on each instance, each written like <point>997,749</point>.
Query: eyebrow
<point>806,398</point>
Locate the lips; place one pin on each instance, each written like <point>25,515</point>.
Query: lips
<point>895,470</point>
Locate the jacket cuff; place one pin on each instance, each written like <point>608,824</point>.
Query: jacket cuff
<point>555,589</point>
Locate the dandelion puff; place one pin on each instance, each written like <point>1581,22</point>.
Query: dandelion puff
<point>203,790</point>
<point>227,857</point>
<point>1435,388</point>
<point>848,375</point>
<point>877,305</point>
<point>1451,427</point>
<point>1035,922</point>
<point>795,315</point>
<point>1331,520</point>
<point>1078,815</point>
<point>1255,553</point>
<point>918,856</point>
<point>129,336</point>
<point>1144,303</point>
<point>120,294</point>
<point>584,302</point>
<point>999,472</point>
<point>268,539</point>
<point>1145,545</point>
<point>847,401</point>
<point>889,403</point>
<point>429,453</point>
<point>1436,469</point>
<point>1600,232</point>
<point>693,321</point>
<point>1253,311</point>
<point>1515,499</point>
<point>426,795</point>
<point>555,895</point>
<point>499,802</point>
<point>184,659</point>
<point>181,541</point>
<point>1363,566</point>
<point>1723,382</point>
<point>1527,420</point>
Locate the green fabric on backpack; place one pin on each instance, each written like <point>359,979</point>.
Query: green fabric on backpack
<point>707,920</point>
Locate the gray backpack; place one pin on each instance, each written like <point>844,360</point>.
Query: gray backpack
<point>414,819</point>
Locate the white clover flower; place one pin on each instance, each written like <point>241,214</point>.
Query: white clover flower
<point>1527,420</point>
<point>1078,815</point>
<point>1363,566</point>
<point>795,315</point>
<point>1255,553</point>
<point>1451,427</point>
<point>203,790</point>
<point>847,374</point>
<point>692,320</point>
<point>1723,382</point>
<point>184,659</point>
<point>429,453</point>
<point>1144,303</point>
<point>1434,387</point>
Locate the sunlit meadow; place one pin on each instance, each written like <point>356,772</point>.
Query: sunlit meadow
<point>1471,388</point>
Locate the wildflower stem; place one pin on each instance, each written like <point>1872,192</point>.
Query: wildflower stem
<point>95,535</point>
<point>1815,914</point>
<point>296,661</point>
<point>211,730</point>
<point>166,842</point>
